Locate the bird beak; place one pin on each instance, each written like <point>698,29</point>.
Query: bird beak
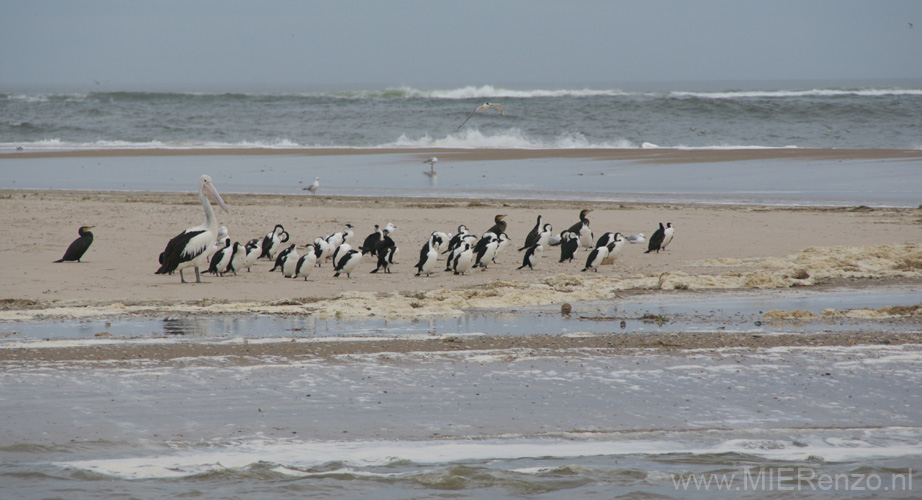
<point>217,196</point>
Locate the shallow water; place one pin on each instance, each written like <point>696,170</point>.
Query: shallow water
<point>736,312</point>
<point>583,424</point>
<point>465,425</point>
<point>762,182</point>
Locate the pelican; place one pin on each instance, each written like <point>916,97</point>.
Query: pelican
<point>79,246</point>
<point>188,248</point>
<point>314,187</point>
<point>483,107</point>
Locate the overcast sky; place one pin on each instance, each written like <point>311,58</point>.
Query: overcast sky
<point>462,42</point>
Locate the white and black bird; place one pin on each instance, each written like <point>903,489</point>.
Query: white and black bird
<point>280,258</point>
<point>323,250</point>
<point>617,245</point>
<point>272,242</point>
<point>238,258</point>
<point>470,240</point>
<point>464,259</point>
<point>532,237</point>
<point>605,239</point>
<point>667,235</point>
<point>483,107</point>
<point>340,252</point>
<point>568,246</point>
<point>290,262</point>
<point>585,235</point>
<point>222,258</point>
<point>314,187</point>
<point>385,251</point>
<point>344,236</point>
<point>544,237</point>
<point>347,263</point>
<point>371,242</point>
<point>455,241</point>
<point>531,256</point>
<point>254,248</point>
<point>223,241</point>
<point>485,249</point>
<point>597,256</point>
<point>656,241</point>
<point>306,262</point>
<point>427,260</point>
<point>79,246</point>
<point>188,248</point>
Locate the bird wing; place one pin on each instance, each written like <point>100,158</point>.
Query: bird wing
<point>500,108</point>
<point>468,117</point>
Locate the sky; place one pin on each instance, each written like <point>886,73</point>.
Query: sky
<point>125,43</point>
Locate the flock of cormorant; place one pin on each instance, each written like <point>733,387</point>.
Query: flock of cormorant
<point>207,244</point>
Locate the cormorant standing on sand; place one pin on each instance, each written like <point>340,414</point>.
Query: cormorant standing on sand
<point>79,246</point>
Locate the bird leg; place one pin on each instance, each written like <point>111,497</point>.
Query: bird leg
<point>198,279</point>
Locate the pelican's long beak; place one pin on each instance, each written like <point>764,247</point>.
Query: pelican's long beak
<point>217,196</point>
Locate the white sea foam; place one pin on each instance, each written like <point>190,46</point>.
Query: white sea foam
<point>780,94</point>
<point>512,138</point>
<point>783,445</point>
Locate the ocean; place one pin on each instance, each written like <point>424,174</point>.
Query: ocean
<point>846,115</point>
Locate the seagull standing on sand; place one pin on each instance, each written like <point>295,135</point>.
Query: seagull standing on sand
<point>483,107</point>
<point>313,187</point>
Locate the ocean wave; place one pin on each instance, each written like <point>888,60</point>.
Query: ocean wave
<point>784,445</point>
<point>466,139</point>
<point>782,94</point>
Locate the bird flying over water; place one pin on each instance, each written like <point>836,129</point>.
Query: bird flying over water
<point>79,246</point>
<point>483,107</point>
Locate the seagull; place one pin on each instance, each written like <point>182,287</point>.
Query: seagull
<point>431,161</point>
<point>483,107</point>
<point>313,187</point>
<point>636,238</point>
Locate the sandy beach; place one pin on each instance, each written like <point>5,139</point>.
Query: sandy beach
<point>717,247</point>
